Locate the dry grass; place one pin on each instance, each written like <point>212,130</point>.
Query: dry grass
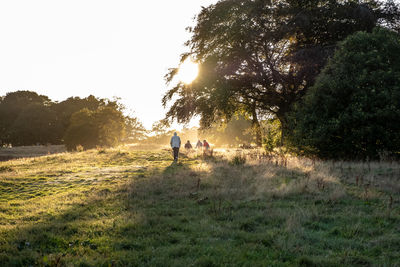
<point>312,176</point>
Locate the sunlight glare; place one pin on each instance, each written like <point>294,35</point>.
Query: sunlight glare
<point>188,71</point>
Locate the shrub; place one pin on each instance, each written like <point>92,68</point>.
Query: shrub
<point>238,160</point>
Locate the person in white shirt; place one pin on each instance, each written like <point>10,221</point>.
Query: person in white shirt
<point>175,144</point>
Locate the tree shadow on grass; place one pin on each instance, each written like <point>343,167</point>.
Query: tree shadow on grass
<point>84,233</point>
<point>257,214</point>
<point>231,208</point>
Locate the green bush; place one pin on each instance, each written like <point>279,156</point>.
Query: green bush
<point>271,134</point>
<point>353,110</point>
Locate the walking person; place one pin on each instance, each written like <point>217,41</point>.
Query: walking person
<point>206,145</point>
<point>206,148</point>
<point>199,145</point>
<point>175,144</point>
<point>188,145</point>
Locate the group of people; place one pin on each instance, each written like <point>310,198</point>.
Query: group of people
<point>176,144</point>
<point>199,145</point>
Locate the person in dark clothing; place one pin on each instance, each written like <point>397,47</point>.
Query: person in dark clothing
<point>188,145</point>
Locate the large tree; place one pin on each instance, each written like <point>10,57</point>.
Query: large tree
<point>35,124</point>
<point>102,127</point>
<point>261,56</point>
<point>66,108</point>
<point>12,105</point>
<point>353,110</point>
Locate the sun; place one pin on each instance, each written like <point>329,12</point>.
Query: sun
<point>188,71</point>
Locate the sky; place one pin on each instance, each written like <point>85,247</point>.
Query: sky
<point>107,48</point>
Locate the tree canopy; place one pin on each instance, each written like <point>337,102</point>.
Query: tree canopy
<point>102,127</point>
<point>258,57</point>
<point>11,106</point>
<point>353,110</point>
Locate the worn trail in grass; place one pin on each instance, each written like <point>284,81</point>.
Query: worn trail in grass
<point>134,208</point>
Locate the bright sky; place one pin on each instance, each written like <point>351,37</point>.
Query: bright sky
<point>107,48</point>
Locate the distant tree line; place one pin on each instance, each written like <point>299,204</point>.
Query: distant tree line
<point>322,68</point>
<point>27,118</point>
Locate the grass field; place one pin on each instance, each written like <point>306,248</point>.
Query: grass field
<point>7,153</point>
<point>123,207</point>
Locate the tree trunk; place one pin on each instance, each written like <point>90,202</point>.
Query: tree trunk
<point>284,126</point>
<point>257,128</point>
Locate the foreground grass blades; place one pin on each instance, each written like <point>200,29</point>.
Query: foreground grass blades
<point>121,207</point>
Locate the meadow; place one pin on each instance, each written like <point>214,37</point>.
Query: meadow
<point>7,153</point>
<point>126,207</point>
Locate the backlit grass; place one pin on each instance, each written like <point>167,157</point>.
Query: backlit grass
<point>122,207</point>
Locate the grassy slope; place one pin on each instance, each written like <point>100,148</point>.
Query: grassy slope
<point>133,208</point>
